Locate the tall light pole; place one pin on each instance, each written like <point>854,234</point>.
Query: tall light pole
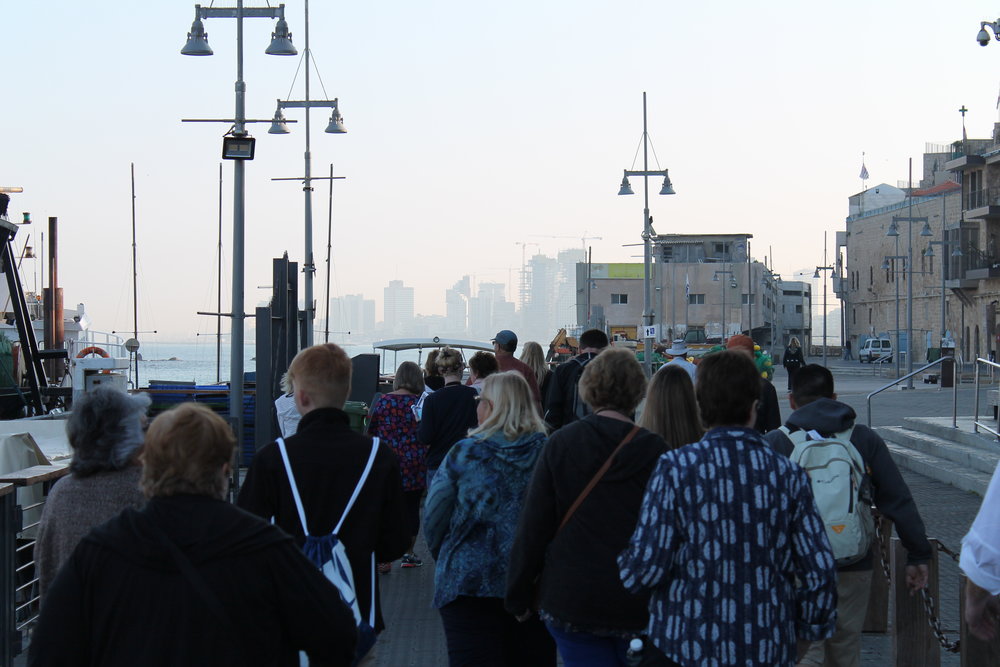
<point>666,189</point>
<point>336,126</point>
<point>238,146</point>
<point>957,252</point>
<point>722,288</point>
<point>825,270</point>
<point>886,267</point>
<point>908,275</point>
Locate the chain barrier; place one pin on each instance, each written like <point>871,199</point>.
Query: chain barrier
<point>928,599</point>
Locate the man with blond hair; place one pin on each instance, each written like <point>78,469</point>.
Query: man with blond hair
<point>190,579</point>
<point>328,459</point>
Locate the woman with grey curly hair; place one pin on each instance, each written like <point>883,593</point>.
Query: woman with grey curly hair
<point>105,431</point>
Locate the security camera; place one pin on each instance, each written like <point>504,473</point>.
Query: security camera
<point>983,37</point>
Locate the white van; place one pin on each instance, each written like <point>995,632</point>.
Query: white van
<point>874,348</point>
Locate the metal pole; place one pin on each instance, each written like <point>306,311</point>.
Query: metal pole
<point>824,299</point>
<point>239,196</point>
<point>749,294</point>
<point>135,282</point>
<point>647,313</point>
<point>329,246</point>
<point>308,268</point>
<point>909,284</point>
<point>723,288</point>
<point>895,279</point>
<point>944,255</point>
<point>218,294</point>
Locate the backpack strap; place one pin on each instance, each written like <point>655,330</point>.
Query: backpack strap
<point>357,489</point>
<point>291,482</point>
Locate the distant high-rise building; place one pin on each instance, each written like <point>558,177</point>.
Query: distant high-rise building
<point>456,303</point>
<point>352,313</point>
<point>397,306</point>
<point>489,310</point>
<point>540,321</point>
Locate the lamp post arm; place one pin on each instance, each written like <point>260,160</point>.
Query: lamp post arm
<point>235,12</point>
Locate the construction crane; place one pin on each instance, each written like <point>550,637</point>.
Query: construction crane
<point>583,239</point>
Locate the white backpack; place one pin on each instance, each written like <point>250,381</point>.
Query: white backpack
<point>327,553</point>
<point>841,489</point>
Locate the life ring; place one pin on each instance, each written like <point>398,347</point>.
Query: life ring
<point>93,349</point>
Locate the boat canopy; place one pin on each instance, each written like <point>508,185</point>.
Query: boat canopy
<point>399,344</point>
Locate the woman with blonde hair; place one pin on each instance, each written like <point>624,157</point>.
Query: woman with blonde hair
<point>792,359</point>
<point>533,355</point>
<point>449,412</point>
<point>671,408</point>
<point>470,517</point>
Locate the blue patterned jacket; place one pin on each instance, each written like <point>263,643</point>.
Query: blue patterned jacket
<point>471,513</point>
<point>726,527</point>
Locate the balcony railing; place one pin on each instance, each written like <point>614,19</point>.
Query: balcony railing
<point>982,197</point>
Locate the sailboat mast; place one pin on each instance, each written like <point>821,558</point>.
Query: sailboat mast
<point>218,308</point>
<point>135,282</point>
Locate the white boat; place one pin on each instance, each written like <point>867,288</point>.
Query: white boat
<point>398,345</point>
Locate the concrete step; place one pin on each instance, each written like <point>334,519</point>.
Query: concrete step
<point>940,469</point>
<point>962,432</point>
<point>977,456</point>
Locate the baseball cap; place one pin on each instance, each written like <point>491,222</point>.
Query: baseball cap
<point>506,339</point>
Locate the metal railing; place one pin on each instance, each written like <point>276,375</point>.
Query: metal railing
<point>22,497</point>
<point>954,400</point>
<point>976,424</point>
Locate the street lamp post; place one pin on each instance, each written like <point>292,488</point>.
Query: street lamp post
<point>238,147</point>
<point>666,189</point>
<point>908,275</point>
<point>957,252</point>
<point>885,267</point>
<point>722,288</point>
<point>336,126</point>
<point>825,270</point>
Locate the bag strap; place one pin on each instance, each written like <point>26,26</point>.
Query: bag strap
<point>597,477</point>
<point>357,489</point>
<point>291,481</point>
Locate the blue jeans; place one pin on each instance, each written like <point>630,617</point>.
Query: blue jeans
<point>581,649</point>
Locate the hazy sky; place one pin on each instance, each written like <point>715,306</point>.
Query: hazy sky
<point>471,126</point>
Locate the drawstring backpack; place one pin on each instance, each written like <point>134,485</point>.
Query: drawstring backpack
<point>327,553</point>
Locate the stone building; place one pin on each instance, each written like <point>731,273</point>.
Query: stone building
<point>955,207</point>
<point>700,282</point>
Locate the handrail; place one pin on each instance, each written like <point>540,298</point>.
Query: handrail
<point>975,419</point>
<point>878,365</point>
<point>954,403</point>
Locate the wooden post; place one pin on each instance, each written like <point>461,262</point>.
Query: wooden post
<point>913,640</point>
<point>975,651</point>
<point>877,618</point>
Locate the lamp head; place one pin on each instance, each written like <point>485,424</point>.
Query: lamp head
<point>929,252</point>
<point>281,41</point>
<point>197,40</point>
<point>336,125</point>
<point>732,283</point>
<point>957,252</point>
<point>926,231</point>
<point>893,229</point>
<point>278,125</point>
<point>885,264</point>
<point>983,37</point>
<point>626,189</point>
<point>816,275</point>
<point>668,188</point>
<point>715,278</point>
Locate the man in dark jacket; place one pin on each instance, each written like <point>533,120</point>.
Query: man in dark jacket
<point>190,579</point>
<point>816,409</point>
<point>563,396</point>
<point>327,459</point>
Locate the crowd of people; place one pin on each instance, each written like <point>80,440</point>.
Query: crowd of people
<point>568,511</point>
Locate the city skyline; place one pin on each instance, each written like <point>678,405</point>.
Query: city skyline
<point>461,150</point>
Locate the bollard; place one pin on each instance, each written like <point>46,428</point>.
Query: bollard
<point>913,640</point>
<point>975,651</point>
<point>877,617</point>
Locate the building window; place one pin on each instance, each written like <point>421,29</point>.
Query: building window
<point>869,316</point>
<point>619,298</point>
<point>720,248</point>
<point>696,299</point>
<point>748,299</point>
<point>798,309</point>
<point>871,275</point>
<point>854,315</point>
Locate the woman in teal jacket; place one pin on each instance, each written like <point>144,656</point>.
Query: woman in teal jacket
<point>470,517</point>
